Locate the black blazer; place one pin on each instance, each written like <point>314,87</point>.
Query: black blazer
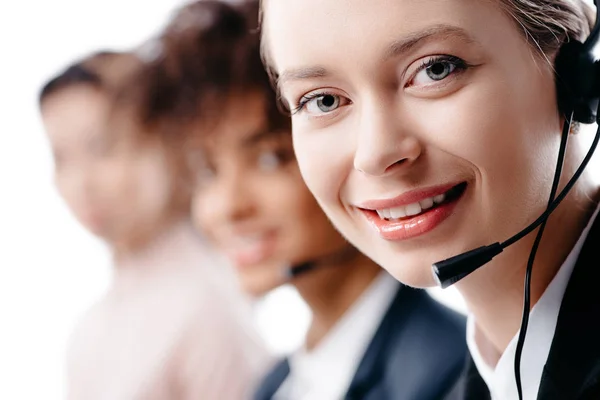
<point>572,371</point>
<point>417,353</point>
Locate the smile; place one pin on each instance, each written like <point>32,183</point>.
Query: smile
<point>414,213</point>
<point>250,249</point>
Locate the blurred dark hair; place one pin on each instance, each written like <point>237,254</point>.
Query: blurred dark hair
<point>208,53</point>
<point>105,70</point>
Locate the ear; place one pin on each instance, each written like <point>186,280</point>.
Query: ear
<point>575,128</point>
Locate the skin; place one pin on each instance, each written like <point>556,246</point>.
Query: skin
<point>102,176</point>
<point>251,202</point>
<point>377,124</point>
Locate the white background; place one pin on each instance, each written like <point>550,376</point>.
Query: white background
<point>51,270</point>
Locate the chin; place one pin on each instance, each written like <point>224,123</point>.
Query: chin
<point>416,276</point>
<point>255,289</point>
<point>97,231</point>
<point>411,270</point>
<point>255,293</point>
<point>415,269</point>
<point>95,226</point>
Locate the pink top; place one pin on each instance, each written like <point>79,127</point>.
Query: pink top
<point>172,326</point>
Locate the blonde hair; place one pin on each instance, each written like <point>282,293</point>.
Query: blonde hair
<point>546,24</point>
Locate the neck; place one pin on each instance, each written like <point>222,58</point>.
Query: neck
<point>331,290</point>
<point>494,294</point>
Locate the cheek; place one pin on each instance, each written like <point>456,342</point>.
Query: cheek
<point>300,206</point>
<point>311,230</point>
<point>294,202</point>
<point>136,189</point>
<point>61,182</point>
<point>68,190</point>
<point>473,128</point>
<point>505,135</point>
<point>114,185</point>
<point>324,158</point>
<point>203,218</point>
<point>153,188</point>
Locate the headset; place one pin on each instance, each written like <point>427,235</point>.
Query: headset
<point>578,93</point>
<point>335,258</point>
<point>294,271</point>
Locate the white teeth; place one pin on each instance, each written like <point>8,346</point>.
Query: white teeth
<point>246,241</point>
<point>413,209</point>
<point>427,203</point>
<point>383,214</point>
<point>398,212</point>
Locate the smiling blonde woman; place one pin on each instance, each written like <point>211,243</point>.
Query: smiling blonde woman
<point>427,128</point>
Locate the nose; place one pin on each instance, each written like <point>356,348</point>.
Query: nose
<point>231,200</point>
<point>384,144</point>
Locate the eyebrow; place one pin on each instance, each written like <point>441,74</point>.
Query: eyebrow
<point>260,136</point>
<point>442,31</point>
<point>302,73</point>
<point>397,48</point>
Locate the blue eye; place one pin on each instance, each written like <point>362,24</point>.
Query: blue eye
<point>438,68</point>
<point>320,103</point>
<point>325,104</point>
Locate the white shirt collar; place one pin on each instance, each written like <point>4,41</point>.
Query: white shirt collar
<point>540,332</point>
<point>327,371</point>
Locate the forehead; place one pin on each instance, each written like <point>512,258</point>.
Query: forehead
<point>242,121</point>
<point>327,32</point>
<point>74,111</point>
<point>73,99</point>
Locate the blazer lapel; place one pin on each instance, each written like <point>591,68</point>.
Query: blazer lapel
<point>405,330</point>
<point>273,381</point>
<point>573,365</point>
<point>470,386</point>
<point>369,371</point>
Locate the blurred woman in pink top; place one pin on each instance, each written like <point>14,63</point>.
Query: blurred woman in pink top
<point>172,325</point>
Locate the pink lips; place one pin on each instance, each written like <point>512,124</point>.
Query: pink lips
<point>409,227</point>
<point>404,199</point>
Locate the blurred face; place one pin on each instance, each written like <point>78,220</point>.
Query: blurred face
<point>116,187</point>
<point>251,202</point>
<point>424,128</point>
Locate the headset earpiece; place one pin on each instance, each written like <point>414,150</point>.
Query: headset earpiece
<point>578,76</point>
<point>577,80</point>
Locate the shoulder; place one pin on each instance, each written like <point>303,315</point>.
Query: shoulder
<point>219,352</point>
<point>219,325</point>
<point>429,345</point>
<point>87,337</point>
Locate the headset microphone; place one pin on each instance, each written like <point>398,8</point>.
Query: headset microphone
<point>578,94</point>
<point>299,269</point>
<point>296,270</point>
